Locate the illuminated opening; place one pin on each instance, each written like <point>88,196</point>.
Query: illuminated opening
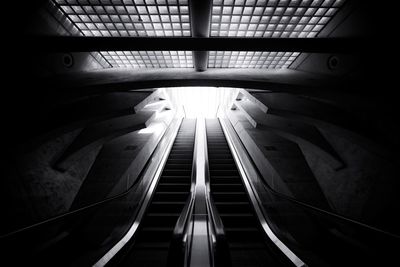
<point>200,102</point>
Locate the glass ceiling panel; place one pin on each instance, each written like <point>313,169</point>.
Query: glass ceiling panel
<point>251,59</point>
<point>128,17</point>
<point>271,18</point>
<point>149,59</point>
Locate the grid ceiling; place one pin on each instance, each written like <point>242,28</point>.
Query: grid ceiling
<point>149,59</point>
<point>230,18</point>
<point>128,17</point>
<point>271,18</point>
<point>251,59</point>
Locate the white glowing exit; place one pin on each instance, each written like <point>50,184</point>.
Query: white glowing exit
<point>200,102</point>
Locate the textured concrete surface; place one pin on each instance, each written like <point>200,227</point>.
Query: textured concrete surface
<point>125,79</point>
<point>365,190</point>
<point>296,131</point>
<point>280,161</point>
<point>37,191</point>
<point>120,162</point>
<point>368,174</point>
<point>96,134</point>
<point>43,191</point>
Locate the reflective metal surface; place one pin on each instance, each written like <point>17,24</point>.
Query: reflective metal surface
<point>158,166</point>
<point>200,247</point>
<point>229,134</point>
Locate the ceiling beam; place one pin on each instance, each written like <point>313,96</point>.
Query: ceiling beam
<point>200,19</point>
<point>91,44</point>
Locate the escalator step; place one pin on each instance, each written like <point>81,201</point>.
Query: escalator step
<point>175,179</point>
<point>177,156</point>
<point>170,196</point>
<point>228,187</point>
<point>177,172</point>
<point>231,207</point>
<point>229,196</point>
<point>219,156</point>
<point>222,166</point>
<point>246,242</point>
<point>168,219</point>
<point>216,173</point>
<point>174,166</point>
<point>166,206</point>
<point>222,161</point>
<point>174,187</point>
<point>155,234</point>
<point>241,234</point>
<point>179,161</point>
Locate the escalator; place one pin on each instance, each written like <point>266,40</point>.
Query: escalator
<point>246,239</point>
<point>150,245</point>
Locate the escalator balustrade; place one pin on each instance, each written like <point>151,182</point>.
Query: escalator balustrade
<point>151,243</point>
<point>247,242</point>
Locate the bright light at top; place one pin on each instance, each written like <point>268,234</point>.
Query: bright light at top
<point>200,102</point>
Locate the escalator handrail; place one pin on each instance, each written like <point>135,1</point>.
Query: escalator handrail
<point>216,219</point>
<point>313,208</point>
<point>328,213</point>
<point>180,226</point>
<point>89,207</point>
<point>176,255</point>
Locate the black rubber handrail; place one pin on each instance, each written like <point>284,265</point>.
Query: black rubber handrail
<point>88,207</point>
<point>215,218</point>
<point>313,208</point>
<point>176,252</point>
<point>328,213</point>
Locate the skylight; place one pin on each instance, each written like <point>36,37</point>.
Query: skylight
<point>271,18</point>
<point>250,59</point>
<point>128,17</point>
<point>149,59</point>
<point>162,18</point>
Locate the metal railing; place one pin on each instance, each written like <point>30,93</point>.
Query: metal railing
<point>39,237</point>
<point>377,238</point>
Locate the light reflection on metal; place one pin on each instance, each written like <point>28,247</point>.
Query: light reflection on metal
<point>157,165</point>
<point>253,197</point>
<point>200,247</point>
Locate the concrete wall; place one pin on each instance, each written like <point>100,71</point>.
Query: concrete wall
<point>35,188</point>
<point>280,162</point>
<point>36,191</point>
<point>355,175</point>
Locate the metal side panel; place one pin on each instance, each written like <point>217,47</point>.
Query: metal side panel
<point>152,173</point>
<point>245,169</point>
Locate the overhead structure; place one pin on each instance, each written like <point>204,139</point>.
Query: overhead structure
<point>201,20</point>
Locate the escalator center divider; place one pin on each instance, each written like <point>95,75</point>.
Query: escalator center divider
<point>151,243</point>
